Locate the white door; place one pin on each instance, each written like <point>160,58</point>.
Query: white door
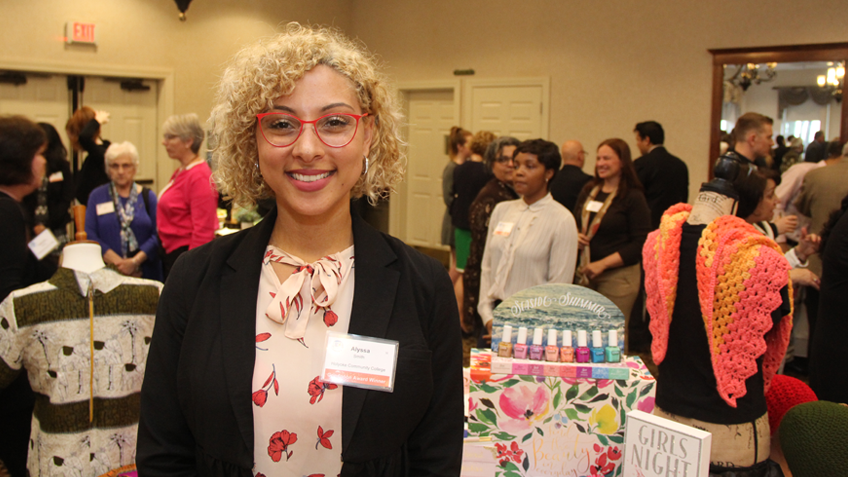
<point>431,115</point>
<point>133,119</point>
<point>515,108</point>
<point>43,99</point>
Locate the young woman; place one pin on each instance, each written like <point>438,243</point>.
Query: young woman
<point>84,129</point>
<point>614,220</point>
<point>532,240</point>
<point>235,382</point>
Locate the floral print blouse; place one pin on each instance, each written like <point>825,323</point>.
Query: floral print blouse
<point>297,417</point>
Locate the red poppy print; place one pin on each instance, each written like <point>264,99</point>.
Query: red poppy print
<point>330,317</point>
<point>279,444</point>
<point>317,388</point>
<point>261,396</point>
<point>506,453</point>
<point>262,337</point>
<point>324,438</point>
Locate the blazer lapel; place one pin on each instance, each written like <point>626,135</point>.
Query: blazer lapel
<point>375,286</point>
<point>239,286</point>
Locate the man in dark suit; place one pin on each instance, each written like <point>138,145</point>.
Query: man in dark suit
<point>664,177</point>
<point>817,150</point>
<point>569,180</point>
<point>666,181</point>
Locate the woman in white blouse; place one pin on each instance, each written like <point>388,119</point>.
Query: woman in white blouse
<point>531,240</point>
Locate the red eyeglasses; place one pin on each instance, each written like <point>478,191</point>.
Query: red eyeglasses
<point>334,129</point>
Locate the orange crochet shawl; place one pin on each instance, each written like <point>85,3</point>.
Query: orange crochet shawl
<point>740,274</point>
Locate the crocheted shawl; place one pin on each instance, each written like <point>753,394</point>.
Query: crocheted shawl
<point>740,274</point>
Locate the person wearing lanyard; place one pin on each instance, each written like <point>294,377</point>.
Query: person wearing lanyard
<point>246,371</point>
<point>531,240</point>
<point>614,221</point>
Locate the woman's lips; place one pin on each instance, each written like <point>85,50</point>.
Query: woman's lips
<point>309,180</point>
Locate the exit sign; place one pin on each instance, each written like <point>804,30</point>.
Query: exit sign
<point>79,32</point>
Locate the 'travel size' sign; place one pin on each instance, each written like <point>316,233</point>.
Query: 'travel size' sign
<point>79,32</point>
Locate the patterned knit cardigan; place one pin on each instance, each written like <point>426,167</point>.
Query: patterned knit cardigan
<point>740,274</point>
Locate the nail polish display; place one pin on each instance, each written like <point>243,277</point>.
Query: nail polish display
<point>536,349</point>
<point>583,354</point>
<point>520,347</point>
<point>552,350</point>
<point>613,352</point>
<point>566,353</point>
<point>597,347</point>
<point>505,346</point>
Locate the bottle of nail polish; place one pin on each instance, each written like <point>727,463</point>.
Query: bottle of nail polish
<point>552,350</point>
<point>505,346</point>
<point>537,351</point>
<point>566,353</point>
<point>613,352</point>
<point>582,352</point>
<point>597,347</point>
<point>520,347</point>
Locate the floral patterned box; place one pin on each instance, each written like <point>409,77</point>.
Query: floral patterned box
<point>555,425</point>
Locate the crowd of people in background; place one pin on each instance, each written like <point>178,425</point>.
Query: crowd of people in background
<point>518,214</point>
<point>594,225</point>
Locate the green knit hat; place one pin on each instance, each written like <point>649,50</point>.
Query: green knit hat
<point>814,438</point>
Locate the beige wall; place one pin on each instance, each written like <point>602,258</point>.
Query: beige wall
<point>611,63</point>
<point>147,33</point>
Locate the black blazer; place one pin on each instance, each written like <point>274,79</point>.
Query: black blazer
<point>196,407</point>
<point>665,179</point>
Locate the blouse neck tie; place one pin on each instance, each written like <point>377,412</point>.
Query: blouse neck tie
<point>318,282</point>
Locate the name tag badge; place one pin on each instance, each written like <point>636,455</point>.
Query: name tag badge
<point>56,177</point>
<point>594,206</point>
<point>360,361</point>
<point>43,243</point>
<point>105,208</point>
<point>504,228</point>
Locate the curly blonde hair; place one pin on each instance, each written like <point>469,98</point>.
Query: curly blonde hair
<point>262,73</point>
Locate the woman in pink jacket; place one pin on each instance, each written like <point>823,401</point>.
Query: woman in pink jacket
<point>187,210</point>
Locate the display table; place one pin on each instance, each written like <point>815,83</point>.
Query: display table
<point>554,419</point>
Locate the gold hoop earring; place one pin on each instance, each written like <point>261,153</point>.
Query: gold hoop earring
<point>365,171</point>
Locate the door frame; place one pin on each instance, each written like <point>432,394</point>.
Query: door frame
<point>164,101</point>
<point>544,81</point>
<point>398,202</point>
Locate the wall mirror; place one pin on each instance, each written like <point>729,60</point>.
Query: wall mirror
<point>781,82</point>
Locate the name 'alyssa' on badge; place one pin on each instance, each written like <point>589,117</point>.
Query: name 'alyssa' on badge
<point>360,361</point>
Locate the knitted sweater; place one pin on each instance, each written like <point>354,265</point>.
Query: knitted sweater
<point>81,425</point>
<point>740,274</point>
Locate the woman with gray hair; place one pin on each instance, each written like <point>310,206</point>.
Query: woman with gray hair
<point>121,216</point>
<point>498,159</point>
<point>188,204</point>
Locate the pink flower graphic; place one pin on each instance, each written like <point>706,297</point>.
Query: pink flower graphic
<point>646,405</point>
<point>471,404</point>
<point>524,406</point>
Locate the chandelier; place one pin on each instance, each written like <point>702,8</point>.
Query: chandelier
<point>834,81</point>
<point>751,73</point>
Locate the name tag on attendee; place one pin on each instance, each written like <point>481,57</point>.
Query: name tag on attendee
<point>56,177</point>
<point>105,208</point>
<point>504,228</point>
<point>594,206</point>
<point>360,361</point>
<point>43,243</point>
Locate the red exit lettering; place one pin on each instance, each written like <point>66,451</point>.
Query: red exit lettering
<point>83,32</point>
